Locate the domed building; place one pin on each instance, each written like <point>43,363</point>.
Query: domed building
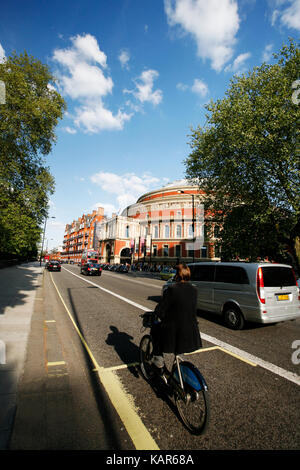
<point>164,226</point>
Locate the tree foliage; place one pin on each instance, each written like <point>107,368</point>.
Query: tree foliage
<point>246,158</point>
<point>27,123</point>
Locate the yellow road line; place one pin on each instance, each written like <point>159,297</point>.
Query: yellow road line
<point>58,363</point>
<point>225,351</point>
<point>120,399</point>
<point>121,366</point>
<point>237,356</point>
<point>201,350</point>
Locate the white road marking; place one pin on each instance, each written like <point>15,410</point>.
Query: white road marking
<point>292,377</point>
<point>141,307</point>
<point>125,278</point>
<point>256,360</point>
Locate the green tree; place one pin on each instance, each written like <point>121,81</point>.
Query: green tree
<point>246,158</point>
<point>28,119</point>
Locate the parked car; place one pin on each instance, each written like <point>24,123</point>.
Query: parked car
<point>167,273</point>
<point>91,269</point>
<point>121,268</point>
<point>254,292</point>
<point>53,266</point>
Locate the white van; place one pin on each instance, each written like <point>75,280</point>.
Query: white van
<point>255,292</point>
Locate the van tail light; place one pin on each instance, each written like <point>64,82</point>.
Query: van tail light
<point>260,286</point>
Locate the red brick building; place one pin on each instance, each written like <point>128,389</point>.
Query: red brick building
<point>81,235</point>
<point>164,226</point>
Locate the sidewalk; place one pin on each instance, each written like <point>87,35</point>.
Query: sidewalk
<point>19,286</point>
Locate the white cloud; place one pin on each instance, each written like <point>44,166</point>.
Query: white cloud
<point>2,54</point>
<point>126,187</point>
<point>290,17</point>
<point>182,86</point>
<point>124,58</point>
<point>213,24</point>
<point>70,130</point>
<point>267,53</point>
<point>144,88</point>
<point>82,78</point>
<point>288,14</point>
<point>94,117</point>
<point>238,65</point>
<point>200,88</point>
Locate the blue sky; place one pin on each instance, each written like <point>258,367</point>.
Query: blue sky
<point>136,75</point>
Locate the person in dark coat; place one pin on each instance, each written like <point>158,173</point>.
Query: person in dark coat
<point>178,331</point>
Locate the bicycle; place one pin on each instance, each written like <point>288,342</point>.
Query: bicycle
<point>185,382</point>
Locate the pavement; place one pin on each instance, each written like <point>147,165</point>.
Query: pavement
<point>19,297</point>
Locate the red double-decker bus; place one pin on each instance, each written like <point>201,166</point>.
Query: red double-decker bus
<point>89,256</point>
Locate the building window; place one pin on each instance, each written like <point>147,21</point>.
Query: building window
<point>127,231</point>
<point>167,231</point>
<point>166,250</point>
<point>204,252</point>
<point>154,248</point>
<point>178,231</point>
<point>156,231</point>
<point>190,229</point>
<point>190,253</point>
<point>216,231</point>
<point>178,251</point>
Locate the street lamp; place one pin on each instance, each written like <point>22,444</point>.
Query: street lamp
<point>44,238</point>
<point>193,220</point>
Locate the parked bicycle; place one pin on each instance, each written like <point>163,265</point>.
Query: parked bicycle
<point>185,382</point>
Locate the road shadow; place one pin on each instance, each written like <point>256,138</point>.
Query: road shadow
<point>154,298</point>
<point>102,401</point>
<point>127,351</point>
<point>219,320</point>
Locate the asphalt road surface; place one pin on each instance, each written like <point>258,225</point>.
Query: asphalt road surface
<point>253,381</point>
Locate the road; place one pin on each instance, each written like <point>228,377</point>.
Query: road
<point>253,382</point>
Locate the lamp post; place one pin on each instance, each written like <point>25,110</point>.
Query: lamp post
<point>44,238</point>
<point>193,219</point>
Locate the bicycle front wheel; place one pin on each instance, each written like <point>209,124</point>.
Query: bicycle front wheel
<point>146,354</point>
<point>193,403</point>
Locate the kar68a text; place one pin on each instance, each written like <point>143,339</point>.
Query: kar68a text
<point>167,459</point>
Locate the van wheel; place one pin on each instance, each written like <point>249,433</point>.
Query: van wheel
<point>233,318</point>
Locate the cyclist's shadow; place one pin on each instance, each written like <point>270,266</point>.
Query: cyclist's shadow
<point>125,348</point>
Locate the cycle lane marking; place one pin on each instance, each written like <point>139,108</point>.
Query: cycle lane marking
<point>247,357</point>
<point>120,399</point>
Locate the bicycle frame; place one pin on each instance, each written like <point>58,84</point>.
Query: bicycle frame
<point>177,360</point>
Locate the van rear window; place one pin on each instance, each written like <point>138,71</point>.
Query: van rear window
<point>278,276</point>
<point>231,275</point>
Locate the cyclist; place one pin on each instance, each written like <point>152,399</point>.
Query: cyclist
<point>177,332</point>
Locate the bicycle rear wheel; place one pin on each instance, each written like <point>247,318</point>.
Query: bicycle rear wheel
<point>146,354</point>
<point>193,404</point>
